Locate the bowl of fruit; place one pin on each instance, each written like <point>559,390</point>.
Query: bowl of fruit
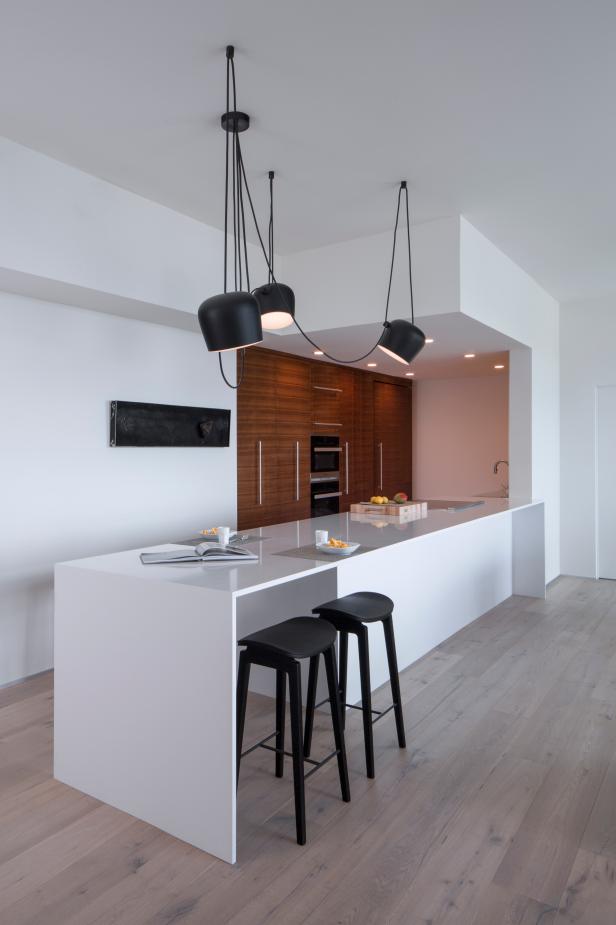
<point>335,547</point>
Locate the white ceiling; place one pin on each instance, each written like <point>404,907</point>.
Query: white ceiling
<point>453,336</point>
<point>502,111</point>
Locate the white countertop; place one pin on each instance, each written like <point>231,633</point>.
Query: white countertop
<point>373,532</point>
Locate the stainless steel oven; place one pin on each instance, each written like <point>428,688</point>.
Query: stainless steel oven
<point>324,496</point>
<point>325,455</point>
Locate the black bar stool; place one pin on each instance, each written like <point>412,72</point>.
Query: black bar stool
<point>349,614</point>
<point>279,647</point>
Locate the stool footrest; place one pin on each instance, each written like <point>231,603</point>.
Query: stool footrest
<point>382,713</point>
<point>257,745</point>
<point>319,764</point>
<point>354,706</point>
<point>272,748</point>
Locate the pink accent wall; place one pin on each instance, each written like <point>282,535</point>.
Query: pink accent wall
<point>460,429</point>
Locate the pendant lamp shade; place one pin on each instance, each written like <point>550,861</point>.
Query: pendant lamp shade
<point>276,304</point>
<point>402,340</point>
<point>230,321</point>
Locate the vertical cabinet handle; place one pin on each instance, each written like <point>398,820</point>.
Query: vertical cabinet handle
<point>380,467</point>
<point>346,467</point>
<point>260,466</point>
<point>297,470</point>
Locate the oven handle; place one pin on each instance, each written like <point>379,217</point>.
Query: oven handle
<point>328,494</point>
<point>327,449</point>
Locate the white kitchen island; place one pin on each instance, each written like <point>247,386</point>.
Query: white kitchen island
<point>145,656</point>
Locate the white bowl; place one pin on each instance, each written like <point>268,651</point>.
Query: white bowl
<point>338,550</point>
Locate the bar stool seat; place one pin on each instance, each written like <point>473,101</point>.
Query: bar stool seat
<point>301,637</point>
<point>363,606</point>
<point>350,614</point>
<point>280,647</point>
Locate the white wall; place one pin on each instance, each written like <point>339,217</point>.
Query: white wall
<point>71,239</point>
<point>460,428</point>
<point>495,291</point>
<point>63,231</point>
<point>64,493</point>
<point>346,283</point>
<point>587,338</point>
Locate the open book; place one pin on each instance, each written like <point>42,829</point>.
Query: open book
<point>204,552</point>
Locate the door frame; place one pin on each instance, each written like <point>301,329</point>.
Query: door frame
<point>598,390</point>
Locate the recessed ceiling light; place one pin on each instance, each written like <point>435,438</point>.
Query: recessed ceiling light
<point>429,340</point>
<point>370,364</point>
<point>318,353</point>
<point>409,374</point>
<point>499,366</point>
<point>469,356</point>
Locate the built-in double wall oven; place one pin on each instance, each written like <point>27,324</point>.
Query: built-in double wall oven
<point>324,475</point>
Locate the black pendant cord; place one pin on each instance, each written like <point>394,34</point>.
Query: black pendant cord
<point>225,243</point>
<point>240,375</point>
<point>271,227</point>
<point>408,240</point>
<point>239,219</point>
<point>281,293</point>
<point>393,250</point>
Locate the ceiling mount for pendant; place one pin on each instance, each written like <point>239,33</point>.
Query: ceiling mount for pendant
<point>234,121</point>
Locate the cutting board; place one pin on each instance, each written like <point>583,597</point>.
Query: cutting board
<point>410,510</point>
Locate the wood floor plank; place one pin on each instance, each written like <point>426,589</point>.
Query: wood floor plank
<point>23,690</point>
<point>37,813</point>
<point>590,895</point>
<point>98,870</point>
<point>497,906</point>
<point>539,860</point>
<point>32,868</point>
<point>600,832</point>
<point>471,847</point>
<point>23,713</point>
<point>499,812</point>
<point>138,899</point>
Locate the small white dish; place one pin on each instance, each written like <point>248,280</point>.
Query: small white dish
<point>338,550</point>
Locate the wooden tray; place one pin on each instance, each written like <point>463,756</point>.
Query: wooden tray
<point>408,511</point>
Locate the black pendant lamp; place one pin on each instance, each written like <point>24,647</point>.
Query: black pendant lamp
<point>401,339</point>
<point>276,300</point>
<point>232,320</point>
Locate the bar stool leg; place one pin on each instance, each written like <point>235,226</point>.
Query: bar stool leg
<point>311,697</point>
<point>366,697</point>
<point>392,661</point>
<point>334,702</point>
<point>343,648</point>
<point>243,677</point>
<point>295,693</point>
<point>281,690</point>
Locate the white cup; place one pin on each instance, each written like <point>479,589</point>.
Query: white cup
<point>224,535</point>
<point>320,537</point>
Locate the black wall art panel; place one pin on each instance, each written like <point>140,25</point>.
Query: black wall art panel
<point>136,423</point>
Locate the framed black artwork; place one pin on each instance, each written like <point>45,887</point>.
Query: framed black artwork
<point>145,424</point>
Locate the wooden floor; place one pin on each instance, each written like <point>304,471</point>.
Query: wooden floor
<point>502,810</point>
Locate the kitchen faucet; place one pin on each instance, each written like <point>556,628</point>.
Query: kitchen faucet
<point>497,464</point>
